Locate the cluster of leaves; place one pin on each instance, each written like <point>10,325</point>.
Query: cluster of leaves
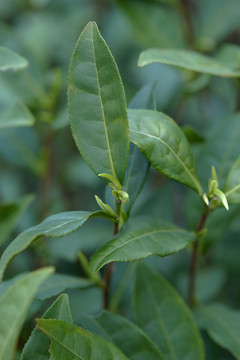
<point>119,145</point>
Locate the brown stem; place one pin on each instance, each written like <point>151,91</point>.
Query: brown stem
<point>186,6</point>
<point>45,183</point>
<point>110,266</point>
<point>193,263</point>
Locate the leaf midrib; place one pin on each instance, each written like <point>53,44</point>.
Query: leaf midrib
<point>235,188</point>
<point>212,313</point>
<point>103,112</point>
<point>143,235</point>
<point>162,324</point>
<point>175,155</point>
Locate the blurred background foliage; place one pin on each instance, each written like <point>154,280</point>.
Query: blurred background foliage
<point>42,172</point>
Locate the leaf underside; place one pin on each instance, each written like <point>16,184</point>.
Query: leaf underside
<point>187,59</point>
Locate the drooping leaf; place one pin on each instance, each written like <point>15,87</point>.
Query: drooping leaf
<point>54,226</point>
<point>37,346</point>
<point>10,214</point>
<point>187,59</point>
<point>163,315</point>
<point>14,304</point>
<point>222,324</point>
<point>10,60</point>
<point>57,283</point>
<point>128,337</point>
<point>17,115</point>
<point>164,144</point>
<point>97,107</point>
<point>72,342</point>
<point>232,185</point>
<point>140,238</point>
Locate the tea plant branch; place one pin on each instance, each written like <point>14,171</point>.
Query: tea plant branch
<point>194,260</point>
<point>109,269</point>
<point>185,10</point>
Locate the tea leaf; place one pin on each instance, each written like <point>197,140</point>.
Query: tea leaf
<point>14,304</point>
<point>37,346</point>
<point>187,59</point>
<point>117,329</point>
<point>97,106</point>
<point>57,283</point>
<point>222,324</point>
<point>141,238</point>
<point>10,60</point>
<point>72,342</point>
<point>163,315</point>
<point>17,115</point>
<point>164,144</point>
<point>54,226</point>
<point>232,185</point>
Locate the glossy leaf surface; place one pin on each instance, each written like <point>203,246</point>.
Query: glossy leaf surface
<point>37,346</point>
<point>164,144</point>
<point>222,324</point>
<point>9,60</point>
<point>163,315</point>
<point>232,185</point>
<point>72,342</point>
<point>141,238</point>
<point>128,337</point>
<point>14,304</point>
<point>54,226</point>
<point>15,116</point>
<point>186,59</point>
<point>97,106</point>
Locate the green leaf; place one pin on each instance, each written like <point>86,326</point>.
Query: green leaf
<point>37,346</point>
<point>232,184</point>
<point>222,324</point>
<point>117,329</point>
<point>54,226</point>
<point>14,304</point>
<point>70,342</point>
<point>10,213</point>
<point>136,175</point>
<point>164,144</point>
<point>9,60</point>
<point>97,106</point>
<point>141,238</point>
<point>186,59</point>
<point>17,115</point>
<point>163,315</point>
<point>57,283</point>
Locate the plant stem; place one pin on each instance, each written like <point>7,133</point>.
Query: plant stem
<point>109,269</point>
<point>185,9</point>
<point>193,263</point>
